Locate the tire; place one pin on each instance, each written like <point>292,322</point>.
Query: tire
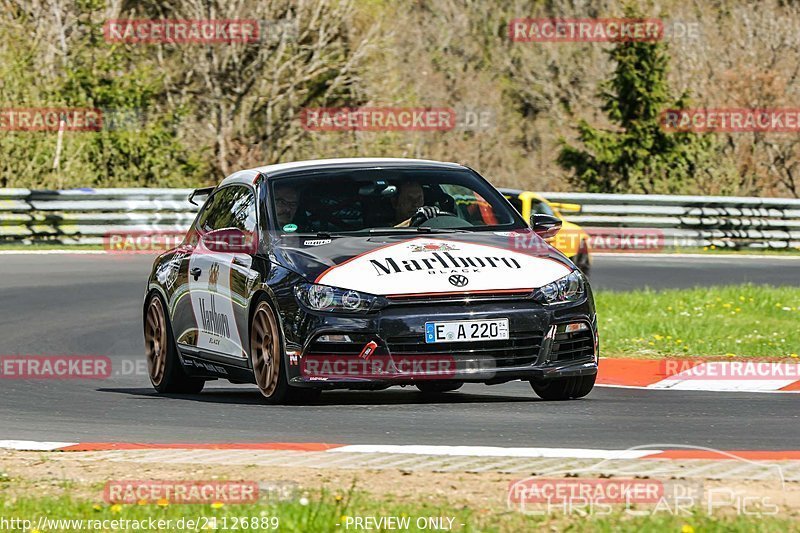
<point>564,388</point>
<point>268,360</point>
<point>437,387</point>
<point>163,366</point>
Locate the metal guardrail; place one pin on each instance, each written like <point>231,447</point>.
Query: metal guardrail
<point>691,221</point>
<point>87,215</point>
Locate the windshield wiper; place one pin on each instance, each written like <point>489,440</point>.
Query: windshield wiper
<point>371,231</point>
<point>316,234</point>
<point>416,229</point>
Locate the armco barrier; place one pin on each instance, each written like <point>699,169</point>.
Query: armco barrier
<point>86,215</point>
<point>722,221</point>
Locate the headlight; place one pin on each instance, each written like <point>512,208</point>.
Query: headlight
<point>325,298</point>
<point>570,288</point>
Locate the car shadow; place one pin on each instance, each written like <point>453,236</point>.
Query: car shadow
<point>334,398</point>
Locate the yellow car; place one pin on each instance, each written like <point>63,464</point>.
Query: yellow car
<point>572,240</point>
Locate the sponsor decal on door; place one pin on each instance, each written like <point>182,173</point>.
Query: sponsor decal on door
<point>212,303</point>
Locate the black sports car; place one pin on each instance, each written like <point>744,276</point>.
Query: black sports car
<point>363,274</point>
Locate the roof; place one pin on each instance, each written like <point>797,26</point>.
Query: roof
<point>352,162</point>
<point>361,162</point>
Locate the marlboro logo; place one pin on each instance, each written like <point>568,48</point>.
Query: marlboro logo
<point>213,322</point>
<point>442,261</point>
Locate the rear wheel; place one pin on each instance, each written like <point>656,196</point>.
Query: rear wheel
<point>163,366</point>
<point>564,388</point>
<point>266,355</point>
<point>437,387</point>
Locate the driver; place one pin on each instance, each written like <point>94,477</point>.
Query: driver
<point>286,202</point>
<point>409,208</point>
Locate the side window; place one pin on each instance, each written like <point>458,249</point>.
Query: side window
<point>207,212</point>
<point>229,207</point>
<point>242,213</point>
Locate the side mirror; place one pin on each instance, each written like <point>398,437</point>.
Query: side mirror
<point>230,241</point>
<point>545,226</point>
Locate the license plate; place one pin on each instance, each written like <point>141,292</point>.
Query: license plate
<point>466,330</point>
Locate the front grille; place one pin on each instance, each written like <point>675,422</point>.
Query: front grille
<point>572,346</point>
<point>460,298</point>
<point>522,349</point>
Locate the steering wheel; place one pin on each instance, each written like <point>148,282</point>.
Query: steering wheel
<point>426,213</point>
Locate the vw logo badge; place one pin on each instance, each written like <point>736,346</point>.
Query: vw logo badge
<point>458,280</point>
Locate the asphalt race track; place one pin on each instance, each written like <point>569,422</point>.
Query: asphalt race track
<point>91,305</point>
<point>628,272</point>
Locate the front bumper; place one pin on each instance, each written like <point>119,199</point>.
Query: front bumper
<point>325,350</point>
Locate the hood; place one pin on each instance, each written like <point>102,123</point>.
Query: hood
<point>402,265</point>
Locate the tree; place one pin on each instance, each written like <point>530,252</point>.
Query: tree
<point>637,155</point>
<point>57,57</point>
<point>248,96</point>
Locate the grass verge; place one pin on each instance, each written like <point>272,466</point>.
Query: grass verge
<point>732,321</point>
<point>339,512</point>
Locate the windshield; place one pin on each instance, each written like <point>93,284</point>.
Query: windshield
<point>363,200</point>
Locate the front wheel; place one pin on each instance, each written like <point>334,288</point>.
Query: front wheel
<point>564,388</point>
<point>163,366</point>
<point>266,355</point>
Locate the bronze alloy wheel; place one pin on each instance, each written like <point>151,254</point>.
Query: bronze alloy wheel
<point>155,335</point>
<point>265,349</point>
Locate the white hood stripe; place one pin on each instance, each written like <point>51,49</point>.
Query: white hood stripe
<point>426,266</point>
